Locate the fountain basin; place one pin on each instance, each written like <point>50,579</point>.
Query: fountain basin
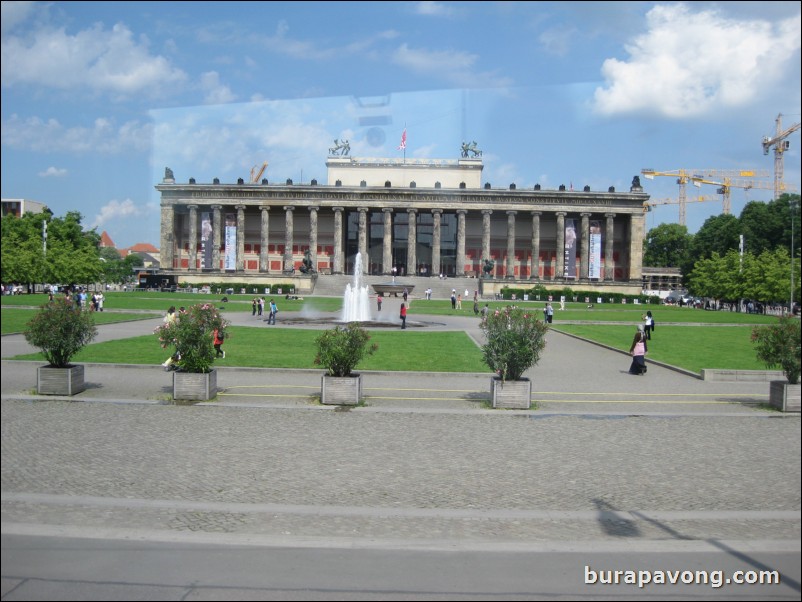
<point>392,288</point>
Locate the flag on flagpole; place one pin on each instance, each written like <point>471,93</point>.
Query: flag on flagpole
<point>403,144</point>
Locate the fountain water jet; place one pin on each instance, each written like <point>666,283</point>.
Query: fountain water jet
<point>356,301</point>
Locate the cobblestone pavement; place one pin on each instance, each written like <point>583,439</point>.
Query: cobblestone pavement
<point>399,476</point>
<point>606,457</point>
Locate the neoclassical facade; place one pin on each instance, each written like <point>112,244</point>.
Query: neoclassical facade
<point>409,217</point>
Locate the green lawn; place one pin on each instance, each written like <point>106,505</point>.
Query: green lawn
<point>690,347</point>
<point>687,338</point>
<point>14,320</point>
<point>296,349</point>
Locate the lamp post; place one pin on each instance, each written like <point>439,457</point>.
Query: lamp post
<point>793,204</point>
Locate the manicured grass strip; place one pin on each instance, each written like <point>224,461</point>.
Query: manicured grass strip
<point>14,320</point>
<point>156,301</point>
<point>605,312</point>
<point>296,349</point>
<point>690,347</point>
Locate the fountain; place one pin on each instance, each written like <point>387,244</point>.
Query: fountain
<point>356,303</point>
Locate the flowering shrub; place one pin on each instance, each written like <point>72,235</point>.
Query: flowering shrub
<point>342,348</point>
<point>515,340</point>
<point>191,335</point>
<point>779,345</point>
<point>60,330</point>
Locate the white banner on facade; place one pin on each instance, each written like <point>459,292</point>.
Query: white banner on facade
<point>206,241</point>
<point>231,242</point>
<point>570,249</point>
<point>594,251</point>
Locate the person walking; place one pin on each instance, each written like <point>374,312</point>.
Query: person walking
<point>549,313</point>
<point>271,318</point>
<point>648,325</point>
<point>254,306</point>
<point>453,299</point>
<point>219,339</point>
<point>379,300</point>
<point>638,351</point>
<point>403,316</point>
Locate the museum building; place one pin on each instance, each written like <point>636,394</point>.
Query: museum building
<point>410,217</point>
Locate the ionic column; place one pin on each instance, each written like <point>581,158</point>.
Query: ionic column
<point>584,253</point>
<point>337,263</point>
<point>461,213</point>
<point>167,237</point>
<point>609,265</point>
<point>217,223</point>
<point>387,242</point>
<point>436,222</point>
<point>264,257</point>
<point>560,271</point>
<point>193,238</point>
<point>363,238</point>
<point>313,236</point>
<point>486,233</point>
<point>412,240</point>
<point>534,270</point>
<point>510,269</point>
<point>240,238</point>
<point>288,240</point>
<point>636,227</point>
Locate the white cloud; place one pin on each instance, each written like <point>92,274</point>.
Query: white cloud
<point>216,93</point>
<point>690,64</point>
<point>53,172</point>
<point>455,66</point>
<point>437,9</point>
<point>115,210</point>
<point>558,41</point>
<point>95,59</point>
<point>13,13</point>
<point>35,134</point>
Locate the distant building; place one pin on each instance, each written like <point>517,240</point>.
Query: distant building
<point>411,217</point>
<point>148,253</point>
<point>18,207</point>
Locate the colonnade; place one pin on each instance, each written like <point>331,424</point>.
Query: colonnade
<point>633,251</point>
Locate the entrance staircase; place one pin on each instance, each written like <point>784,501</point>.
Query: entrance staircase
<point>334,285</point>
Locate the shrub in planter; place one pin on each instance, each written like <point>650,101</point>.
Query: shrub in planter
<point>340,349</point>
<point>779,345</point>
<point>515,340</point>
<point>60,330</point>
<point>191,337</point>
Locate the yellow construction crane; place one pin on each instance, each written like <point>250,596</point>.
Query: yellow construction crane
<point>727,185</point>
<point>686,175</point>
<point>780,144</point>
<point>255,178</point>
<point>699,199</point>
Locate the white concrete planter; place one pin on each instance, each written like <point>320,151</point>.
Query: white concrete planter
<point>60,381</point>
<point>515,394</point>
<point>191,386</point>
<point>341,390</point>
<point>785,397</point>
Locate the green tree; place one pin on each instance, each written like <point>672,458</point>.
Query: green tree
<point>719,234</point>
<point>667,245</point>
<point>761,226</point>
<point>68,254</point>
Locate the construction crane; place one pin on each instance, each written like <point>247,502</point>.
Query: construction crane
<point>700,199</point>
<point>780,144</point>
<point>255,178</point>
<point>686,175</point>
<point>727,185</point>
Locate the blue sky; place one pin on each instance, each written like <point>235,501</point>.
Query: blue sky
<point>99,97</point>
